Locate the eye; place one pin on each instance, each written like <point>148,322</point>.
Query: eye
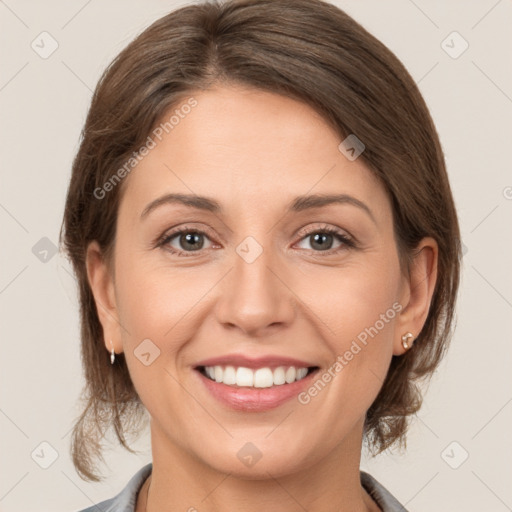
<point>189,240</point>
<point>321,239</point>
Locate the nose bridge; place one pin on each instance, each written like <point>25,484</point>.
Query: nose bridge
<point>254,297</point>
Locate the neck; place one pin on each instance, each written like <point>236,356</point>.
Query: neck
<point>330,484</point>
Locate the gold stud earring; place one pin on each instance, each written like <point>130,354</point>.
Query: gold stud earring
<point>112,353</point>
<point>405,340</point>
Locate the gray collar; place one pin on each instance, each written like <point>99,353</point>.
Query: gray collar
<point>126,500</point>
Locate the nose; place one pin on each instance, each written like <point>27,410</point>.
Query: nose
<point>255,297</point>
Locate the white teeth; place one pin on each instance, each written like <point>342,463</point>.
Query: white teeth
<point>229,375</point>
<point>301,373</point>
<point>290,375</point>
<point>244,377</point>
<point>279,376</point>
<point>263,378</point>
<point>260,378</point>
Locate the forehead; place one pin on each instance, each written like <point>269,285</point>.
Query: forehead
<point>248,147</point>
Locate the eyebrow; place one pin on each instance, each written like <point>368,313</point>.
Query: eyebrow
<point>298,204</point>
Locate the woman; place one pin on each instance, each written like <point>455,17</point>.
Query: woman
<point>262,227</point>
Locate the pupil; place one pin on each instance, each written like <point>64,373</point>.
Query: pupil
<point>191,238</point>
<point>321,237</point>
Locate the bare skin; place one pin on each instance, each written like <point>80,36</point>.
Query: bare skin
<point>254,152</point>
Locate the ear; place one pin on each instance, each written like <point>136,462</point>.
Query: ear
<point>417,290</point>
<point>102,285</point>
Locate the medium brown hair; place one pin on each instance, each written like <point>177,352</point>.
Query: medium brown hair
<point>308,50</point>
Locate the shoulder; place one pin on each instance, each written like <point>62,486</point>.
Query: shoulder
<point>386,501</point>
<point>104,506</point>
<point>125,501</point>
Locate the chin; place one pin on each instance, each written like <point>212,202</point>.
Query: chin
<point>256,461</point>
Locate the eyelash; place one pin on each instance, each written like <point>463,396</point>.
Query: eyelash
<point>347,242</point>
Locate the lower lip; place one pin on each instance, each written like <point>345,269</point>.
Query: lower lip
<point>255,399</point>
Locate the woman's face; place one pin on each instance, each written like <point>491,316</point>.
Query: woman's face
<point>255,281</point>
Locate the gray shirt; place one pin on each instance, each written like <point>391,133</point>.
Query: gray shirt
<point>126,500</point>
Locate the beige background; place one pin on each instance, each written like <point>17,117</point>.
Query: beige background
<point>43,104</point>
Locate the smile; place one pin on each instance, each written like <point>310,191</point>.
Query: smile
<point>254,390</point>
<point>255,378</point>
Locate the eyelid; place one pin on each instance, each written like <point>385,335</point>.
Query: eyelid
<point>175,230</point>
<point>308,230</point>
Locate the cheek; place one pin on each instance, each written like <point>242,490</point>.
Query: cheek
<point>151,305</point>
<point>360,310</point>
<point>153,298</point>
<point>358,298</point>
<point>164,305</point>
<point>154,307</point>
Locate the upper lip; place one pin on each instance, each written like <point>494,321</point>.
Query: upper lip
<point>268,361</point>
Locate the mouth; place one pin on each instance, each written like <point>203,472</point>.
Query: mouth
<point>253,390</point>
<point>266,377</point>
